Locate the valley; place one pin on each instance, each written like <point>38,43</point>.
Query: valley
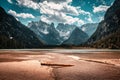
<point>59,64</point>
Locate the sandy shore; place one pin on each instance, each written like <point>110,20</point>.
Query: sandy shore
<point>28,65</point>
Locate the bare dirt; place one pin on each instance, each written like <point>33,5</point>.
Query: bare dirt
<point>49,65</point>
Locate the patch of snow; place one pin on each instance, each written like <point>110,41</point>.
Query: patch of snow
<point>45,31</point>
<point>64,34</point>
<point>11,37</point>
<point>83,29</point>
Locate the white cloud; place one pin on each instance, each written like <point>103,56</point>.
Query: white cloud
<point>68,9</point>
<point>28,3</point>
<point>58,1</point>
<point>82,11</point>
<point>61,18</point>
<point>88,14</point>
<point>9,1</point>
<point>100,8</point>
<point>51,7</point>
<point>22,15</point>
<point>59,13</point>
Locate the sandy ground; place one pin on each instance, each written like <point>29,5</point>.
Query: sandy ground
<point>26,65</point>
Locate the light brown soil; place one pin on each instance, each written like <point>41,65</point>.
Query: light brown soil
<point>26,65</point>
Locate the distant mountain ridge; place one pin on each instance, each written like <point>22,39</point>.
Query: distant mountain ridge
<point>77,37</point>
<point>89,28</point>
<point>46,32</point>
<point>59,35</point>
<point>13,34</point>
<point>65,30</point>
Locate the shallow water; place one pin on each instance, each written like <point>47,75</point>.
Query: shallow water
<point>67,50</point>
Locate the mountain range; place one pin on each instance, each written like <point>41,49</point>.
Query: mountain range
<point>106,34</point>
<point>46,32</point>
<point>59,35</point>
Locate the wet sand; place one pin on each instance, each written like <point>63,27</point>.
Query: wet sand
<point>59,65</point>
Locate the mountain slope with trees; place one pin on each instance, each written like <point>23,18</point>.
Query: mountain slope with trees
<point>107,34</point>
<point>13,34</point>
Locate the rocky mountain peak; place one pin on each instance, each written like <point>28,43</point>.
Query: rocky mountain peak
<point>76,38</point>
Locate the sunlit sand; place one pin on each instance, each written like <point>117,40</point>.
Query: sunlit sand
<point>59,64</point>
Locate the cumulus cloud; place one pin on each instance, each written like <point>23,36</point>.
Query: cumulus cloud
<point>100,8</point>
<point>58,1</point>
<point>22,15</point>
<point>51,7</point>
<point>61,18</point>
<point>60,13</point>
<point>82,11</point>
<point>10,1</point>
<point>57,11</point>
<point>88,14</point>
<point>28,3</point>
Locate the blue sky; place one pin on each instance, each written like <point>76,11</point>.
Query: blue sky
<point>75,12</point>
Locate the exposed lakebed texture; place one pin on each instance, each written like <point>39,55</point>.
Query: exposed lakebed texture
<point>59,65</point>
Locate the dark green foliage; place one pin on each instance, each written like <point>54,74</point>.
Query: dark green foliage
<point>112,42</point>
<point>7,43</point>
<point>107,34</point>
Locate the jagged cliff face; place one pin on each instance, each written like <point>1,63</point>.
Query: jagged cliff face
<point>109,26</point>
<point>65,30</point>
<point>63,33</point>
<point>13,34</point>
<point>76,38</point>
<point>46,32</point>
